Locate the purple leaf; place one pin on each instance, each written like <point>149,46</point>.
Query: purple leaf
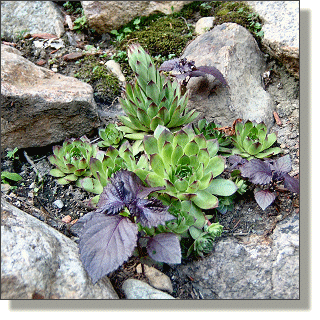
<point>124,187</point>
<point>169,65</point>
<point>105,243</point>
<point>235,161</point>
<point>257,171</point>
<point>214,72</point>
<point>150,212</point>
<point>164,247</point>
<point>291,183</point>
<point>79,225</point>
<point>264,198</point>
<point>282,164</point>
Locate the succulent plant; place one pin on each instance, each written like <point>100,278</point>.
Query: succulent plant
<point>186,164</point>
<point>110,135</point>
<point>153,99</point>
<point>71,160</point>
<point>208,129</point>
<point>204,239</point>
<point>252,141</point>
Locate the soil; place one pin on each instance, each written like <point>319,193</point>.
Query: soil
<point>37,192</point>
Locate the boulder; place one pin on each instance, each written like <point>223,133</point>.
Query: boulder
<point>281,31</point>
<point>41,107</point>
<point>253,268</point>
<point>21,17</point>
<point>38,262</point>
<point>232,49</point>
<point>104,16</point>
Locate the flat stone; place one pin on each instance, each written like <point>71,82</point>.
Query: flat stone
<point>253,268</point>
<point>281,31</point>
<point>40,107</point>
<point>38,260</point>
<point>105,16</point>
<point>136,289</point>
<point>19,17</point>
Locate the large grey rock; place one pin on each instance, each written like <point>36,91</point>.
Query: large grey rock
<point>37,260</point>
<point>136,289</point>
<point>233,50</point>
<point>18,17</point>
<point>105,16</point>
<point>281,31</point>
<point>40,107</point>
<point>253,268</point>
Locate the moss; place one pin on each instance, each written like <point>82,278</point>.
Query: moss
<point>238,12</point>
<point>167,35</point>
<point>105,85</point>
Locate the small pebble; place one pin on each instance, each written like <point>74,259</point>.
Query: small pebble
<point>58,204</point>
<point>66,219</point>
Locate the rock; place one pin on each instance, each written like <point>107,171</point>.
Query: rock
<point>203,25</point>
<point>233,50</point>
<point>20,17</point>
<point>281,31</point>
<point>58,203</point>
<point>115,68</point>
<point>38,260</point>
<point>104,16</point>
<point>156,278</point>
<point>253,268</point>
<point>40,107</point>
<point>136,289</point>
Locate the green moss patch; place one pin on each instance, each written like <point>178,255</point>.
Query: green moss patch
<point>105,85</point>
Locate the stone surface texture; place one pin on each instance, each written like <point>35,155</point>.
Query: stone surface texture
<point>105,16</point>
<point>136,289</point>
<point>251,268</point>
<point>156,278</point>
<point>19,17</point>
<point>233,50</point>
<point>39,106</point>
<point>281,31</point>
<point>203,25</point>
<point>38,260</point>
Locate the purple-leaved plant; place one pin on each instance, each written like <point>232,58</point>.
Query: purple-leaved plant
<point>266,174</point>
<point>109,235</point>
<point>187,69</point>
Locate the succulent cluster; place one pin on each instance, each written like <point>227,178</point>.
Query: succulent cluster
<point>110,135</point>
<point>72,159</point>
<point>252,141</point>
<point>209,130</point>
<point>186,164</point>
<point>153,99</point>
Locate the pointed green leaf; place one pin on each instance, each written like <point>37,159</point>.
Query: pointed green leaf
<point>157,164</point>
<point>215,166</point>
<point>56,173</point>
<point>213,147</point>
<point>150,144</point>
<point>154,180</point>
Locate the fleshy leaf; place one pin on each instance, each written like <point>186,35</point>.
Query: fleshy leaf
<point>165,247</point>
<point>105,243</point>
<point>205,200</point>
<point>264,198</point>
<point>222,187</point>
